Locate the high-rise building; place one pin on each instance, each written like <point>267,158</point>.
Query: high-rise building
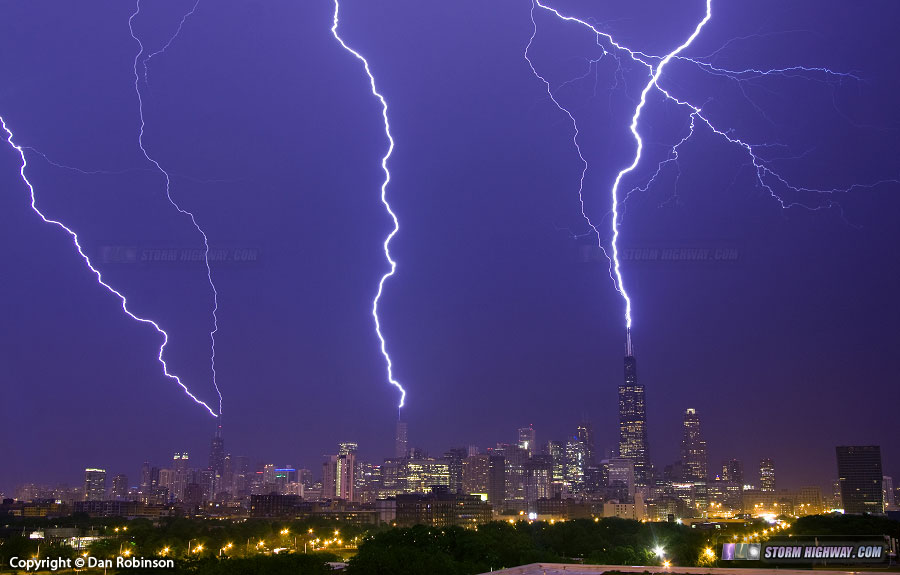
<point>145,482</point>
<point>454,458</point>
<point>575,464</point>
<point>835,501</point>
<point>526,439</point>
<point>165,484</point>
<point>633,418</point>
<point>538,479</point>
<point>693,448</point>
<point>514,469</point>
<point>887,487</point>
<point>216,465</point>
<point>557,452</point>
<point>859,469</point>
<point>621,476</point>
<point>733,471</point>
<point>217,453</point>
<point>401,441</point>
<point>120,487</point>
<point>227,479</point>
<point>484,474</point>
<point>339,473</point>
<point>155,493</point>
<point>241,475</point>
<point>329,468</point>
<point>94,484</point>
<point>585,434</point>
<point>766,474</point>
<point>180,465</point>
<point>345,476</point>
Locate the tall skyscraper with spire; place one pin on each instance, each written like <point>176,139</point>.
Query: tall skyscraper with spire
<point>401,441</point>
<point>633,418</point>
<point>217,460</point>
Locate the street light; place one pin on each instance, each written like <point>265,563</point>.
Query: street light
<point>660,552</point>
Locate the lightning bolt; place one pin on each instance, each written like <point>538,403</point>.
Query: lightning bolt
<point>137,83</point>
<point>165,46</point>
<point>96,272</point>
<point>766,177</point>
<point>96,172</point>
<point>387,206</point>
<point>575,133</point>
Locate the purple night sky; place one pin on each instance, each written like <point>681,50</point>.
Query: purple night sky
<point>495,318</point>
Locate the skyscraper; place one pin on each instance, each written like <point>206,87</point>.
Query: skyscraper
<point>180,464</point>
<point>401,444</point>
<point>538,479</point>
<point>95,484</point>
<point>339,473</point>
<point>859,469</point>
<point>217,460</point>
<point>526,439</point>
<point>345,476</point>
<point>145,481</point>
<point>633,418</point>
<point>485,474</point>
<point>693,448</point>
<point>575,464</point>
<point>217,452</point>
<point>766,475</point>
<point>733,470</point>
<point>119,488</point>
<point>585,435</point>
<point>454,458</point>
<point>621,476</point>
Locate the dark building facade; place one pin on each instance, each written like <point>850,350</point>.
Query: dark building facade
<point>633,419</point>
<point>859,470</point>
<point>440,508</point>
<point>217,460</point>
<point>733,470</point>
<point>274,505</point>
<point>454,458</point>
<point>401,440</point>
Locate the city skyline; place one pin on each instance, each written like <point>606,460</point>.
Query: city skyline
<point>693,458</point>
<point>562,479</point>
<point>773,324</point>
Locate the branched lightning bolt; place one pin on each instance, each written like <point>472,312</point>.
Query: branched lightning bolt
<point>766,177</point>
<point>575,134</point>
<point>96,172</point>
<point>96,272</point>
<point>137,82</point>
<point>637,158</point>
<point>384,201</point>
<point>165,46</point>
